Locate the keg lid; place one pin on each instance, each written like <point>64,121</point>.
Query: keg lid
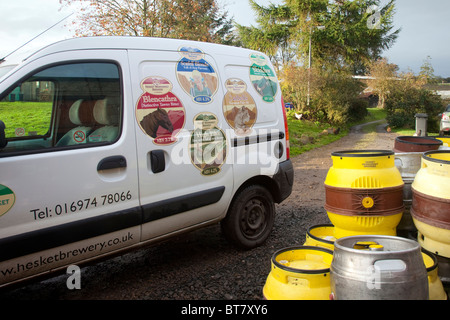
<point>439,156</point>
<point>362,153</point>
<point>318,233</point>
<point>303,259</point>
<point>416,144</point>
<point>372,244</point>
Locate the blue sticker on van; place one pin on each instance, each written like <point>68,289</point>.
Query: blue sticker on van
<point>196,76</point>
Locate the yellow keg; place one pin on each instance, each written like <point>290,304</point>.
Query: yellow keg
<point>431,202</point>
<point>321,235</point>
<point>299,273</point>
<point>445,141</point>
<point>364,193</point>
<point>435,286</point>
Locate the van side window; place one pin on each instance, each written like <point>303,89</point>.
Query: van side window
<point>61,107</point>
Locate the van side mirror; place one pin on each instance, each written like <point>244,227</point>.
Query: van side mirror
<point>3,141</point>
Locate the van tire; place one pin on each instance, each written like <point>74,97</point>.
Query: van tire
<point>250,217</point>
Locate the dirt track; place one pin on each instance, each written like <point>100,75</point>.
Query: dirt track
<point>201,265</point>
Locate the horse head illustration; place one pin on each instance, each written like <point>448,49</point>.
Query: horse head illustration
<point>151,122</point>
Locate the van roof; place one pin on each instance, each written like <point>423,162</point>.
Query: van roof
<point>131,42</point>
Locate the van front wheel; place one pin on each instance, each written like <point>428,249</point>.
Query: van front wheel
<point>250,217</point>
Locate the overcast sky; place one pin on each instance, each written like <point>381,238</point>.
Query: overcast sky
<point>425,29</point>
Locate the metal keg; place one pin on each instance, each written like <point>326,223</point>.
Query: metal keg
<point>377,267</point>
<point>364,193</point>
<point>299,273</point>
<point>431,202</point>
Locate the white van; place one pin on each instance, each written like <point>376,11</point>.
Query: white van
<point>111,143</point>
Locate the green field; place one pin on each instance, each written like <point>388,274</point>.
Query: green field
<point>307,135</point>
<point>34,117</point>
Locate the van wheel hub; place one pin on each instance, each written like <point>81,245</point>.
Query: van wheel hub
<point>253,218</point>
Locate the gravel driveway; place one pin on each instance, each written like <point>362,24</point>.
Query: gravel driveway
<point>201,265</point>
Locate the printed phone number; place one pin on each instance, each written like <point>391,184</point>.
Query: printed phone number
<point>80,205</point>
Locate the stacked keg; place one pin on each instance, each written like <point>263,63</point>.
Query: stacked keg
<point>431,205</point>
<point>299,273</point>
<point>359,255</point>
<point>408,155</point>
<point>364,193</point>
<point>372,267</point>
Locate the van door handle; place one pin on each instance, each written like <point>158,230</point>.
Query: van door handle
<point>158,161</point>
<point>113,162</point>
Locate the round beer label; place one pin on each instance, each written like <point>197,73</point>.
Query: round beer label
<point>7,199</point>
<point>196,76</point>
<point>239,108</point>
<point>159,112</point>
<point>263,78</point>
<point>208,145</point>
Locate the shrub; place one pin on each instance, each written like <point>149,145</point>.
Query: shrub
<point>407,98</point>
<point>338,99</point>
<point>333,95</point>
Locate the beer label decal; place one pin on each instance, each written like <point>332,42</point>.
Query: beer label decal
<point>208,144</point>
<point>263,78</point>
<point>7,199</point>
<point>159,112</point>
<point>239,108</point>
<point>196,76</point>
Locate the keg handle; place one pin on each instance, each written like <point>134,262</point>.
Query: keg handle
<point>390,265</point>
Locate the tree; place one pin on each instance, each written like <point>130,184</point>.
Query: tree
<point>356,33</point>
<point>347,38</point>
<point>334,95</point>
<point>382,76</point>
<point>199,20</point>
<point>407,98</point>
<point>295,87</point>
<point>273,34</point>
<point>427,71</point>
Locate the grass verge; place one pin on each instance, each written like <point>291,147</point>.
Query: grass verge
<point>306,135</point>
<point>32,116</point>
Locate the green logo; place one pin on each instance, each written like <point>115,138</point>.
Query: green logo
<point>7,199</point>
<point>263,78</point>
